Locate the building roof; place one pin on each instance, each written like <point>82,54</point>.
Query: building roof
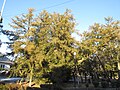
<point>5,60</point>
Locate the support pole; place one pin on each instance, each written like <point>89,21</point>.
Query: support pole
<point>1,12</point>
<point>3,7</point>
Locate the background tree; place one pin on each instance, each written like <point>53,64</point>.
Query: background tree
<point>101,44</point>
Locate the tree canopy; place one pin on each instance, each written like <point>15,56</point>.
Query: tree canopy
<point>101,45</point>
<point>44,42</point>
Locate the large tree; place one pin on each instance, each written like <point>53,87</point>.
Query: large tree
<point>44,43</point>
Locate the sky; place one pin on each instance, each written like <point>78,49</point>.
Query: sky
<point>85,12</point>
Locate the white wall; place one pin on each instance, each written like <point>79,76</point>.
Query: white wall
<point>5,66</point>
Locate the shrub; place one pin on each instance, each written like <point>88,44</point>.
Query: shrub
<point>3,87</point>
<point>87,84</point>
<point>118,83</point>
<point>15,87</point>
<point>104,84</point>
<point>48,86</point>
<point>113,83</point>
<point>59,74</point>
<point>57,87</point>
<point>95,83</point>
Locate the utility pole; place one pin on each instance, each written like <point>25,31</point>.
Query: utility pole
<point>1,19</point>
<point>1,12</point>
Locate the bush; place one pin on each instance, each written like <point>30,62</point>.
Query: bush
<point>113,83</point>
<point>95,83</point>
<point>104,84</point>
<point>11,87</point>
<point>118,83</point>
<point>3,87</point>
<point>48,86</point>
<point>59,74</point>
<point>34,88</point>
<point>87,85</point>
<point>57,87</point>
